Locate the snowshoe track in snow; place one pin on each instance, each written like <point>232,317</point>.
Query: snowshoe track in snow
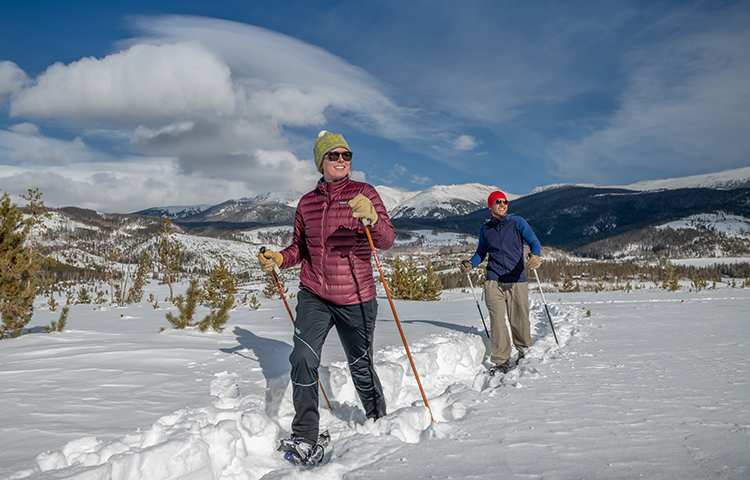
<point>235,439</point>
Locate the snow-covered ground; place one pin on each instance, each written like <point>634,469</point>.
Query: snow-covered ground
<point>708,261</point>
<point>648,384</point>
<point>430,238</point>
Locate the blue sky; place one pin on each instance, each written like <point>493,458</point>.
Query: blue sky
<point>124,105</point>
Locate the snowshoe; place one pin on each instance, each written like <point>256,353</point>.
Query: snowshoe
<point>299,451</point>
<point>501,368</point>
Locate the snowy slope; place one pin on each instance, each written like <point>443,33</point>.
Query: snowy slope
<point>278,237</point>
<point>288,198</point>
<point>393,197</point>
<point>111,398</point>
<point>430,238</point>
<point>726,180</point>
<point>442,201</point>
<point>720,222</point>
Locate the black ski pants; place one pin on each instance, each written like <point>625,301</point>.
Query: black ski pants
<point>355,325</point>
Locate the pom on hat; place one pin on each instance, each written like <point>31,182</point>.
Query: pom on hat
<point>326,142</point>
<point>495,196</point>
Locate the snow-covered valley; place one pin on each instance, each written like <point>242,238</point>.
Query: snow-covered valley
<point>652,384</point>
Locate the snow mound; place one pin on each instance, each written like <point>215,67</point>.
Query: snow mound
<point>234,438</point>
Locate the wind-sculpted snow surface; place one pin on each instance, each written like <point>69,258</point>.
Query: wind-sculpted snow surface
<point>235,437</point>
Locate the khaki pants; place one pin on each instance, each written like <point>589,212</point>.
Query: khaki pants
<point>511,301</point>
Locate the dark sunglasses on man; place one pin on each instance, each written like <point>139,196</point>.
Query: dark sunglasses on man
<point>334,156</point>
<point>501,202</point>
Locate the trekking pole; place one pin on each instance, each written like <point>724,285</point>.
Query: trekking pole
<point>395,317</point>
<point>280,289</point>
<point>471,285</point>
<point>546,308</point>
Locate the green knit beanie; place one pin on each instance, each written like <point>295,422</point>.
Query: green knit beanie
<point>326,142</point>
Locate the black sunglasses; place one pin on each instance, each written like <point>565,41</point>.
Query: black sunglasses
<point>333,156</point>
<point>501,202</point>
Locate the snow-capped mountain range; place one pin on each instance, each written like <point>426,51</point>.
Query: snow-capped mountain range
<point>443,201</point>
<point>436,202</point>
<point>439,201</point>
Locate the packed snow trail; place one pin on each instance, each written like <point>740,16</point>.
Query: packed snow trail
<point>235,437</point>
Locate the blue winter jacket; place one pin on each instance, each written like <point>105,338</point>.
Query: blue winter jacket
<point>503,241</point>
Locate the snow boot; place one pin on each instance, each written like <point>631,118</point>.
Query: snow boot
<point>521,356</point>
<point>300,451</point>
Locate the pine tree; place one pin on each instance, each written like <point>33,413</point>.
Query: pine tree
<point>59,325</point>
<point>219,284</point>
<point>670,281</point>
<point>52,303</point>
<point>253,302</point>
<point>135,294</point>
<point>186,306</point>
<point>170,256</point>
<point>218,316</point>
<point>19,263</point>
<point>83,296</point>
<point>432,288</point>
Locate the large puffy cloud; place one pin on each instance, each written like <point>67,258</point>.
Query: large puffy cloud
<point>283,78</point>
<point>11,78</point>
<point>214,95</point>
<point>144,82</point>
<point>686,109</point>
<point>120,186</point>
<point>135,184</point>
<point>69,172</point>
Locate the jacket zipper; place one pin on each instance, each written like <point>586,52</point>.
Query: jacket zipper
<point>323,241</point>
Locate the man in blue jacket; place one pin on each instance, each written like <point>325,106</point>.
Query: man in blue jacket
<point>506,288</point>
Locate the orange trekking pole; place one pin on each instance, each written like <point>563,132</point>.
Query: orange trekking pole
<point>398,322</point>
<point>280,289</point>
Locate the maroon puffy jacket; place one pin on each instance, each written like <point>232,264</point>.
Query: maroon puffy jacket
<point>332,245</point>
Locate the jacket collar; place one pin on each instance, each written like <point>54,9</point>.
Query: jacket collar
<point>332,188</point>
<point>496,223</point>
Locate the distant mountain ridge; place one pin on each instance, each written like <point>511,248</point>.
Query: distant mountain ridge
<point>573,218</point>
<point>723,180</point>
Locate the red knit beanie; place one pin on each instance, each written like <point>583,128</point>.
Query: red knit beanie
<point>494,196</point>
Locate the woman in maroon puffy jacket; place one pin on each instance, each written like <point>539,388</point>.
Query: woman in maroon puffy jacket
<point>336,282</point>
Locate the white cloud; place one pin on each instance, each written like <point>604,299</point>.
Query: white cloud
<point>11,78</point>
<point>464,143</point>
<point>214,95</point>
<point>25,128</point>
<point>24,146</point>
<point>686,109</point>
<point>283,78</point>
<point>72,173</point>
<point>144,82</point>
<point>135,184</point>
